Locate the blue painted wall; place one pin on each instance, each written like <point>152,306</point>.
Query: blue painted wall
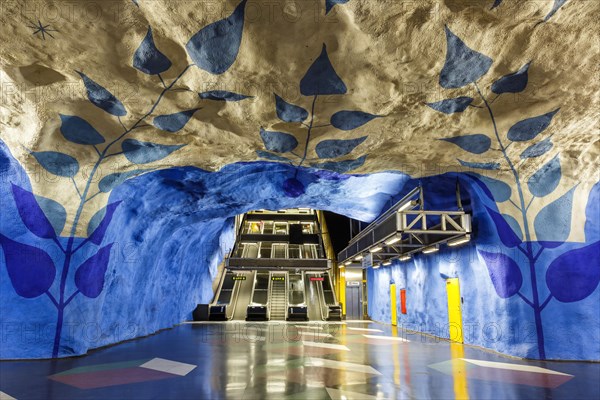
<point>571,330</point>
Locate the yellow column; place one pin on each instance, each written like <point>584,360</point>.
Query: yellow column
<point>393,305</point>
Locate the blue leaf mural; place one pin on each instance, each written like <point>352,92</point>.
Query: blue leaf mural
<point>546,179</point>
<point>496,190</point>
<point>507,235</point>
<point>321,78</point>
<point>271,156</point>
<point>337,148</point>
<point>289,112</point>
<point>575,275</point>
<point>504,273</point>
<point>557,4</point>
<point>514,225</point>
<point>30,269</point>
<point>537,149</point>
<point>553,222</point>
<point>109,182</point>
<point>95,221</point>
<point>512,83</point>
<point>98,234</point>
<point>348,120</point>
<point>488,165</point>
<point>529,128</point>
<point>451,106</point>
<point>496,3</point>
<point>329,4</point>
<point>215,47</point>
<point>54,211</point>
<point>173,122</point>
<point>279,142</point>
<point>102,98</point>
<point>31,213</point>
<point>463,65</point>
<point>292,187</point>
<point>148,59</point>
<point>78,130</point>
<point>89,277</point>
<point>476,144</point>
<point>145,152</point>
<point>223,95</point>
<point>57,163</point>
<point>341,166</point>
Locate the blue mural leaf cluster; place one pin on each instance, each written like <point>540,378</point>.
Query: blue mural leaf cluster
<point>478,165</point>
<point>506,233</point>
<point>575,275</point>
<point>289,112</point>
<point>504,272</point>
<point>77,130</point>
<point>54,211</point>
<point>30,269</point>
<point>57,163</point>
<point>293,188</point>
<point>537,149</point>
<point>548,228</point>
<point>89,277</point>
<point>146,152</point>
<point>271,156</point>
<point>348,120</point>
<point>329,4</point>
<point>148,59</point>
<point>173,122</point>
<point>321,78</point>
<point>512,83</point>
<point>109,182</point>
<point>31,213</point>
<point>529,128</point>
<point>98,233</point>
<point>102,98</point>
<point>555,7</point>
<point>215,47</point>
<point>493,188</point>
<point>279,142</point>
<point>514,225</point>
<point>476,144</point>
<point>451,106</point>
<point>546,179</point>
<point>496,3</point>
<point>341,166</point>
<point>222,95</point>
<point>463,65</point>
<point>337,148</point>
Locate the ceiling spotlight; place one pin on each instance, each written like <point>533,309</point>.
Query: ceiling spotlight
<point>375,266</point>
<point>358,257</point>
<point>404,257</point>
<point>348,262</point>
<point>375,249</point>
<point>387,262</point>
<point>432,249</point>
<point>393,239</point>
<point>459,241</point>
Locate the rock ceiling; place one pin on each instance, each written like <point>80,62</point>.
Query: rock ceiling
<point>350,86</point>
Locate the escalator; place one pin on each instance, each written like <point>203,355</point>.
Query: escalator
<point>314,297</point>
<point>278,297</point>
<point>243,294</point>
<point>233,296</point>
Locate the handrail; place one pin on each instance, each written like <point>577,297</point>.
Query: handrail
<point>219,287</point>
<point>233,304</point>
<point>253,285</point>
<point>321,297</point>
<point>287,300</point>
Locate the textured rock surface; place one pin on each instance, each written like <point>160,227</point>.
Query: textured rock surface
<point>108,89</point>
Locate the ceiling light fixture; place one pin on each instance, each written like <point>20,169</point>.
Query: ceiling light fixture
<point>358,257</point>
<point>459,241</point>
<point>405,257</point>
<point>375,266</point>
<point>407,205</point>
<point>431,249</point>
<point>387,262</point>
<point>393,239</point>
<point>375,249</point>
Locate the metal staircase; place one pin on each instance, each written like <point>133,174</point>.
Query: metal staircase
<point>278,300</point>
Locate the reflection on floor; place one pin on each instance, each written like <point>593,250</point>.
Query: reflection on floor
<point>276,360</point>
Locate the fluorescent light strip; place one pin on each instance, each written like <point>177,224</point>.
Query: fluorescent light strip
<point>375,249</point>
<point>387,262</point>
<point>432,249</point>
<point>393,239</point>
<point>459,241</point>
<point>405,257</point>
<point>358,257</point>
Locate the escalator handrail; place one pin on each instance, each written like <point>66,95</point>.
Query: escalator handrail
<point>286,294</point>
<point>320,298</point>
<point>219,287</point>
<point>230,309</point>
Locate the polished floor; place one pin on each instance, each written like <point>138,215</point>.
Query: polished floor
<point>349,360</point>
